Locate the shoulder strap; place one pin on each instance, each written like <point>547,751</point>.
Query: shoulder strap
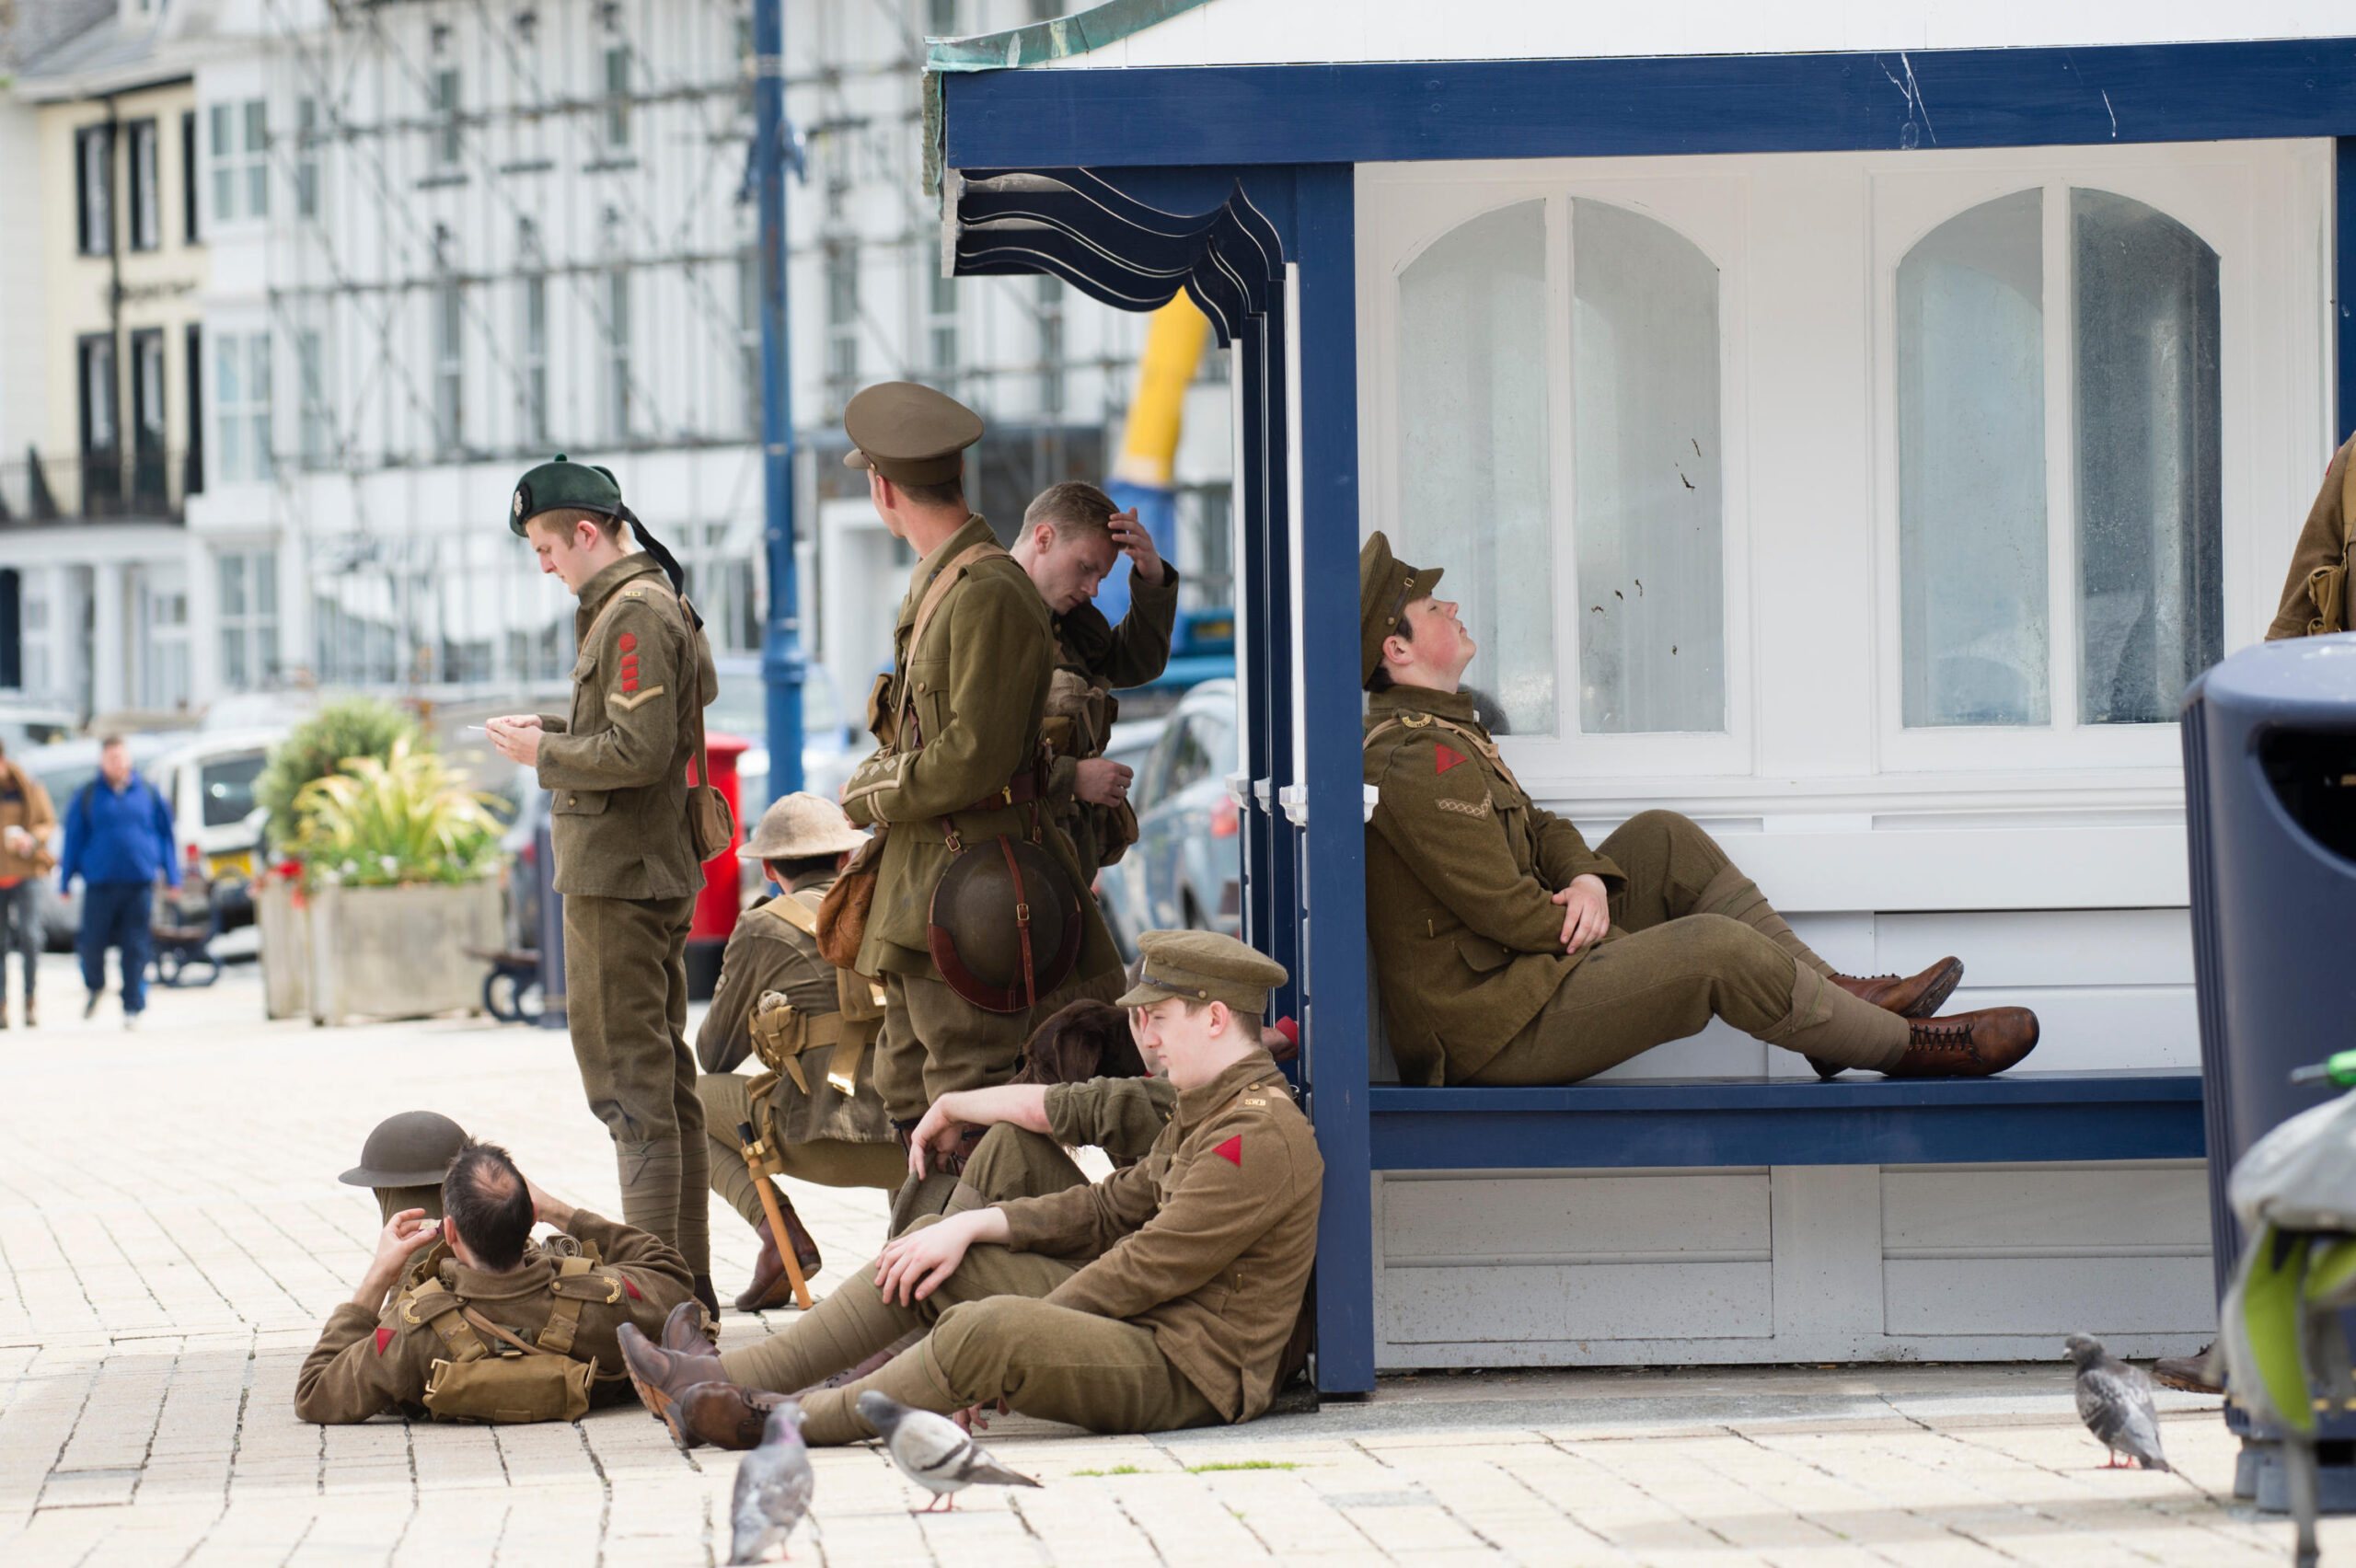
<point>1486,747</point>
<point>689,665</point>
<point>444,1312</point>
<point>578,1280</point>
<point>934,593</point>
<point>795,911</point>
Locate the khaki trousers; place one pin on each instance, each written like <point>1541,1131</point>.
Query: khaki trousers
<point>625,1003</point>
<point>991,1338</point>
<point>1691,938</point>
<point>822,1162</point>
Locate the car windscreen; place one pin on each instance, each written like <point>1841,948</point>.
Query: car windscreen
<point>226,784</point>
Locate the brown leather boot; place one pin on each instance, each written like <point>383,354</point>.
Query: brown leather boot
<point>770,1286</point>
<point>1968,1044</point>
<point>2201,1373</point>
<point>690,1330</point>
<point>726,1415</point>
<point>662,1377</point>
<point>1908,995</point>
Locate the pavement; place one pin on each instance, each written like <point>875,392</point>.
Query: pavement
<point>172,1236</point>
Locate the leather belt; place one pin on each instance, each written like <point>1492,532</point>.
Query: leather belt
<point>1019,791</point>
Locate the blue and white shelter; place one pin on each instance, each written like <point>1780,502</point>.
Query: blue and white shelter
<point>1848,425</point>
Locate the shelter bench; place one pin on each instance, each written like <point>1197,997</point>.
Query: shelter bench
<point>2142,1113</point>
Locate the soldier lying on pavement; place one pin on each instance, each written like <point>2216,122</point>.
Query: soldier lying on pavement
<point>779,999</point>
<point>1510,952</point>
<point>1162,1296</point>
<point>504,1329</point>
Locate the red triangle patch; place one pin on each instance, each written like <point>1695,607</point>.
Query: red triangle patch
<point>634,1296</point>
<point>1232,1151</point>
<point>384,1338</point>
<point>1445,759</point>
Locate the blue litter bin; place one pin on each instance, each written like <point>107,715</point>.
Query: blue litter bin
<point>2270,774</point>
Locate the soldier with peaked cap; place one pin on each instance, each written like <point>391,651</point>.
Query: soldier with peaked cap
<point>778,999</point>
<point>1165,1296</point>
<point>1510,952</point>
<point>616,769</point>
<point>958,765</point>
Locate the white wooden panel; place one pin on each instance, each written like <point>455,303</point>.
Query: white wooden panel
<point>1828,1254</point>
<point>1469,1306</point>
<point>1719,1051</point>
<point>2051,868</point>
<point>1572,1219</point>
<point>2049,947</point>
<point>2054,1296</point>
<point>1984,1211</point>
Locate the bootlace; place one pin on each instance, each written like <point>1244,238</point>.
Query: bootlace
<point>1940,1034</point>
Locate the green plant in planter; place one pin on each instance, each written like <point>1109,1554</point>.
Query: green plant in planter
<point>357,726</point>
<point>405,818</point>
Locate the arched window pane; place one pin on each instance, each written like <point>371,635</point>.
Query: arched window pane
<point>1472,446</point>
<point>2151,604</point>
<point>1971,469</point>
<point>1650,509</point>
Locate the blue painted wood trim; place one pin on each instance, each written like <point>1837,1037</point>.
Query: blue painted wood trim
<point>1333,873</point>
<point>2343,280</point>
<point>2026,1117</point>
<point>1524,108</point>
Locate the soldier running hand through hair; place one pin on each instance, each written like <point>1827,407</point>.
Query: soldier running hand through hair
<point>403,1235</point>
<point>1137,544</point>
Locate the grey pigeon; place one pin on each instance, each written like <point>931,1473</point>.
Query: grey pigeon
<point>2115,1401</point>
<point>934,1451</point>
<point>773,1486</point>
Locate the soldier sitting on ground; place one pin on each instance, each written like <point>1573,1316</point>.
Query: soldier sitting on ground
<point>503,1329</point>
<point>1162,1296</point>
<point>816,1104</point>
<point>1510,952</point>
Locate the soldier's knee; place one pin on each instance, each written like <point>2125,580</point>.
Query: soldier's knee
<point>971,1339</point>
<point>1725,945</point>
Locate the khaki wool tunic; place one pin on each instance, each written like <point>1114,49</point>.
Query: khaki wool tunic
<point>1462,868</point>
<point>2322,543</point>
<point>365,1364</point>
<point>977,691</point>
<point>1208,1240</point>
<point>616,766</point>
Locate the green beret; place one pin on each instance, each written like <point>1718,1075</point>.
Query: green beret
<point>1386,587</point>
<point>1206,967</point>
<point>909,434</point>
<point>563,484</point>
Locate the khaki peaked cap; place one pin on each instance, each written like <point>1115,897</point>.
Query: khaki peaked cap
<point>561,482</point>
<point>909,434</point>
<point>801,826</point>
<point>1386,587</point>
<point>1203,966</point>
<point>411,1149</point>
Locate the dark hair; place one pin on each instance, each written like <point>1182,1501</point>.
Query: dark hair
<point>951,492</point>
<point>801,866</point>
<point>485,1200</point>
<point>1084,1040</point>
<point>1380,680</point>
<point>1073,506</point>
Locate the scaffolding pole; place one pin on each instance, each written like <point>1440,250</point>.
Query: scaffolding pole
<point>782,665</point>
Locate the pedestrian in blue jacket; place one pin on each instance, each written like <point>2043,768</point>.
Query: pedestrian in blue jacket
<point>119,838</point>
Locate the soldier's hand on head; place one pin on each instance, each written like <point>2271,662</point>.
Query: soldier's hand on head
<point>403,1235</point>
<point>547,1210</point>
<point>1587,911</point>
<point>1130,535</point>
<point>1102,781</point>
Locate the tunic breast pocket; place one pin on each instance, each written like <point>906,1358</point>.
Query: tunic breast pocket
<point>928,697</point>
<point>588,712</point>
<point>1482,953</point>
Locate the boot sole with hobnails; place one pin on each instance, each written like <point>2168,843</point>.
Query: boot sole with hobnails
<point>658,1404</point>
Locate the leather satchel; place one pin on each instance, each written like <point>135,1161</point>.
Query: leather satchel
<point>842,916</point>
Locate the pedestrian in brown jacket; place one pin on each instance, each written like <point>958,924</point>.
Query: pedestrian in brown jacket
<point>27,818</point>
<point>569,1298</point>
<point>2315,594</point>
<point>1162,1296</point>
<point>1509,952</point>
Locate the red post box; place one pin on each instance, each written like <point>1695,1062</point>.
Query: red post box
<point>717,904</point>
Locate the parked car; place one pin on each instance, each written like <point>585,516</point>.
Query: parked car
<point>63,767</point>
<point>1185,869</point>
<point>208,781</point>
<point>1202,647</point>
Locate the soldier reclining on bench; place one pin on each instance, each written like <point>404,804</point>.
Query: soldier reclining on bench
<point>1162,1296</point>
<point>1510,952</point>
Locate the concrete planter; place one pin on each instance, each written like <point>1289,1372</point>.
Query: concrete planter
<point>398,951</point>
<point>283,916</point>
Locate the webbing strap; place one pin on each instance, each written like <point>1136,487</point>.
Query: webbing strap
<point>1473,738</point>
<point>934,593</point>
<point>564,1314</point>
<point>794,911</point>
<point>440,1310</point>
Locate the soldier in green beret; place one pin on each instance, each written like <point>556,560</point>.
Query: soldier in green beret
<point>616,769</point>
<point>1510,952</point>
<point>1166,1295</point>
<point>958,762</point>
